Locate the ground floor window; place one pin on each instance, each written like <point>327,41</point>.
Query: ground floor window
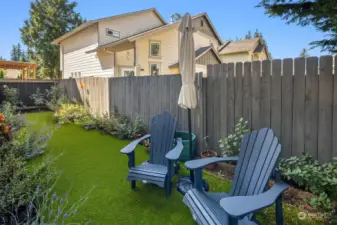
<point>154,69</point>
<point>125,72</point>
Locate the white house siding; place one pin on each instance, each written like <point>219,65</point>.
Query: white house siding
<point>127,25</point>
<point>169,52</point>
<point>77,62</point>
<point>202,40</point>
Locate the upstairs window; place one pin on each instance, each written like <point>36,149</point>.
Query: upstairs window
<point>112,33</point>
<point>201,23</point>
<point>154,48</point>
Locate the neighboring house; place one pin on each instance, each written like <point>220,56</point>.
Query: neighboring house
<point>244,50</point>
<point>138,43</point>
<point>12,74</point>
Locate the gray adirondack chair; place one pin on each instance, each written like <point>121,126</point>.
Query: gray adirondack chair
<point>259,154</point>
<point>161,166</point>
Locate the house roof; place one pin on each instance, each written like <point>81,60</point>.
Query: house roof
<point>259,48</point>
<point>240,46</point>
<point>91,22</point>
<point>200,52</point>
<point>150,31</point>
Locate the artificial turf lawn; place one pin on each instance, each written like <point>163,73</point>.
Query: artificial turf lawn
<point>91,159</point>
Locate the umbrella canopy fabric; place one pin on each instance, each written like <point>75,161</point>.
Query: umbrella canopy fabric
<point>187,97</point>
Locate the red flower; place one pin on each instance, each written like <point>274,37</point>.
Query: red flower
<point>2,117</point>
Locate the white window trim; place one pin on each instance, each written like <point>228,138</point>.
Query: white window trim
<point>154,42</point>
<point>154,63</point>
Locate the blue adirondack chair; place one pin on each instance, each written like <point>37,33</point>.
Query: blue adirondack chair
<point>259,154</point>
<point>161,166</point>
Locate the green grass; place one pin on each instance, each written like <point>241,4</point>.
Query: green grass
<point>90,158</point>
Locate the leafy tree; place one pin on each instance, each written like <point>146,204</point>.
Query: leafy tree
<point>2,58</point>
<point>304,53</point>
<point>322,14</point>
<point>49,19</point>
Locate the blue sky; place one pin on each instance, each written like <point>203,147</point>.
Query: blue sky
<point>231,19</point>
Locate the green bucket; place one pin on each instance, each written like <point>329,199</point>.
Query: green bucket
<point>185,155</point>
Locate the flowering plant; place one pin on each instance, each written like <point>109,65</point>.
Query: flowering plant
<point>230,145</point>
<point>5,128</point>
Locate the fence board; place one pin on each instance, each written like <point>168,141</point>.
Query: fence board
<point>276,98</point>
<point>230,99</point>
<point>334,132</point>
<point>325,109</point>
<point>238,91</point>
<point>210,106</point>
<point>247,93</point>
<point>311,110</point>
<point>299,107</point>
<point>256,95</point>
<point>216,105</point>
<point>287,107</point>
<point>223,100</point>
<point>265,94</point>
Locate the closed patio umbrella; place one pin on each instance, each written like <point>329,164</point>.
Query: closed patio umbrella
<point>187,97</point>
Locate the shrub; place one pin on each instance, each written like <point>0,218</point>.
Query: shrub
<point>126,129</point>
<point>230,146</point>
<point>319,179</point>
<point>48,208</point>
<point>55,98</point>
<point>11,96</point>
<point>31,142</point>
<point>18,182</point>
<point>38,98</point>
<point>71,113</point>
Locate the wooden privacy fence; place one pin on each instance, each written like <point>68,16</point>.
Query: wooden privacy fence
<point>91,91</point>
<point>26,88</point>
<point>147,96</point>
<point>297,98</point>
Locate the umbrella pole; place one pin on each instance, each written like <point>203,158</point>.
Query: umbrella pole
<point>190,141</point>
<point>190,133</point>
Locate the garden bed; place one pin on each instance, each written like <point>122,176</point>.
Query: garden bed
<point>294,196</point>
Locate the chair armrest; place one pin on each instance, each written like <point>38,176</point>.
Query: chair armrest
<point>174,154</point>
<point>240,206</point>
<point>131,147</point>
<point>199,163</point>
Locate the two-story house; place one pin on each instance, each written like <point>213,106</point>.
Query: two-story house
<point>138,43</point>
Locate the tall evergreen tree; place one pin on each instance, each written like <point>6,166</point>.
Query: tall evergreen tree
<point>304,53</point>
<point>14,53</point>
<point>49,19</point>
<point>321,14</point>
<point>176,16</point>
<point>248,35</point>
<point>18,54</point>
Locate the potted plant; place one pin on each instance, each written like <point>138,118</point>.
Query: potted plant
<point>207,154</point>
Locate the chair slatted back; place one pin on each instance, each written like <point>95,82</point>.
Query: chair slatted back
<point>259,152</point>
<point>163,127</point>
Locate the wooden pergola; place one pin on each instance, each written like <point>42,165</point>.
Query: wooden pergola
<point>26,68</point>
